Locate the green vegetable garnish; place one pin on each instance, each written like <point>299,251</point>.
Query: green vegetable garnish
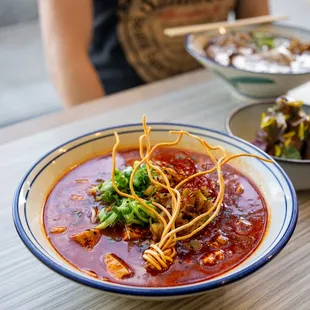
<point>291,152</point>
<point>128,212</point>
<point>107,192</point>
<point>127,172</point>
<point>121,180</point>
<point>141,180</point>
<point>264,39</point>
<point>109,220</point>
<point>124,210</point>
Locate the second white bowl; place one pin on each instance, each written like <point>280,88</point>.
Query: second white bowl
<point>251,84</point>
<point>244,123</point>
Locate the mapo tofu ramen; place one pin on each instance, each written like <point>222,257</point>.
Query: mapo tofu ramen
<point>260,52</point>
<point>155,216</point>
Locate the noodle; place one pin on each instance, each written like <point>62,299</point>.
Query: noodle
<point>159,255</point>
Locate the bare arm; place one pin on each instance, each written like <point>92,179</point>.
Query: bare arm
<point>251,8</point>
<point>67,32</point>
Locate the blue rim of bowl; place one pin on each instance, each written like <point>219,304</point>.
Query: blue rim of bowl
<point>279,25</point>
<point>245,106</point>
<point>195,288</point>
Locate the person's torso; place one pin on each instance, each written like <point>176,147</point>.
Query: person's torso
<point>129,34</point>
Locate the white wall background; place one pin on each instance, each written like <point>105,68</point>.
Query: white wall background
<point>297,10</point>
<point>17,11</point>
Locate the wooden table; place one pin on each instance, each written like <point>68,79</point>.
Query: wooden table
<point>196,98</point>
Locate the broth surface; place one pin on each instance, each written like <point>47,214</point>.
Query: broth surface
<point>242,220</point>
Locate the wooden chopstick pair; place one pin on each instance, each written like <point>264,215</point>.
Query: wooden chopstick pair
<point>179,31</point>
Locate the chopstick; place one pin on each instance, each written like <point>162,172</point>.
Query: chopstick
<point>179,31</point>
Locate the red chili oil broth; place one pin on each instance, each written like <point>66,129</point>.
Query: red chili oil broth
<point>62,210</point>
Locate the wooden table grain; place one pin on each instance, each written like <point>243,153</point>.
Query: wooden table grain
<point>197,98</point>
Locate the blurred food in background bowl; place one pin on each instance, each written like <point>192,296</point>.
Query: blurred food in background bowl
<point>282,130</point>
<point>262,61</point>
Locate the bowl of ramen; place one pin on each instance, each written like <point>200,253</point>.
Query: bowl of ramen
<point>282,129</point>
<point>273,57</point>
<point>157,211</point>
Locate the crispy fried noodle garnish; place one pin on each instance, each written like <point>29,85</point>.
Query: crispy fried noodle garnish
<point>159,255</point>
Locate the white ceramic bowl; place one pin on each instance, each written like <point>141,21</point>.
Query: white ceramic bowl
<point>251,84</point>
<point>244,123</point>
<point>270,179</point>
